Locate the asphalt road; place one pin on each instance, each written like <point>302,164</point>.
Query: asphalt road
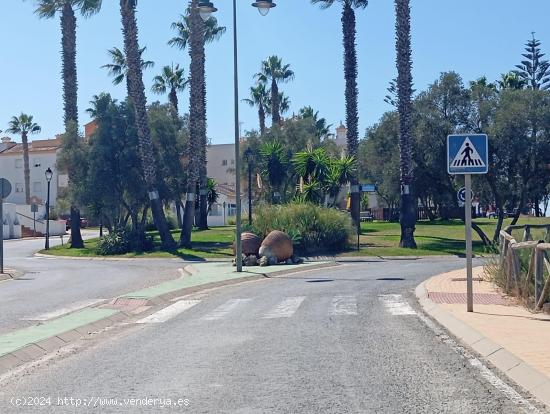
<point>53,284</point>
<point>339,340</point>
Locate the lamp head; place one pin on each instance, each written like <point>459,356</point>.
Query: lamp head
<point>48,174</point>
<point>264,6</point>
<point>206,8</point>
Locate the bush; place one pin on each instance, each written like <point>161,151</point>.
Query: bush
<point>124,241</point>
<point>313,229</point>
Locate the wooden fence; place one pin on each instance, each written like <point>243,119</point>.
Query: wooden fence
<point>510,262</point>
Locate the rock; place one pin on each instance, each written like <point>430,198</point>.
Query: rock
<point>264,261</point>
<point>277,246</point>
<point>251,260</point>
<point>296,260</point>
<point>250,244</point>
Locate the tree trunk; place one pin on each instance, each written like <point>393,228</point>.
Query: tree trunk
<point>275,114</point>
<point>351,96</point>
<point>26,168</point>
<point>178,212</point>
<point>188,218</point>
<point>407,216</point>
<point>197,127</point>
<point>70,98</point>
<point>137,96</point>
<point>261,116</point>
<point>173,98</point>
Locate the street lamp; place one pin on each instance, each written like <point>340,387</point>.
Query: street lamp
<point>49,175</point>
<point>248,154</point>
<point>206,8</point>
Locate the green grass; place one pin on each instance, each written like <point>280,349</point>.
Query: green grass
<point>436,238</point>
<point>377,239</point>
<point>207,244</point>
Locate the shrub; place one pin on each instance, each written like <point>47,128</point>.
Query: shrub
<point>112,244</point>
<point>313,229</point>
<point>124,241</point>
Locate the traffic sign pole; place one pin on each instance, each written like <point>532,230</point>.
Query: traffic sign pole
<point>468,214</point>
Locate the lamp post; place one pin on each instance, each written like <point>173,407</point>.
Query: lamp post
<point>49,175</point>
<point>248,154</point>
<point>206,8</point>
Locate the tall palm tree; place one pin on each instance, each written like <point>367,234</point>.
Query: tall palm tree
<point>24,125</point>
<point>273,71</point>
<point>66,8</point>
<point>283,102</point>
<point>351,94</point>
<point>138,99</point>
<point>407,216</point>
<point>171,79</point>
<point>118,68</point>
<point>186,28</point>
<point>259,98</point>
<point>322,128</point>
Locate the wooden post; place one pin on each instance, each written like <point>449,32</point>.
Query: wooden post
<point>546,289</point>
<point>539,273</point>
<point>527,233</point>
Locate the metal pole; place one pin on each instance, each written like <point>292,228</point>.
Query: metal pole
<point>34,224</point>
<point>249,192</point>
<point>1,235</point>
<point>468,214</point>
<point>359,224</point>
<point>48,219</point>
<point>238,244</point>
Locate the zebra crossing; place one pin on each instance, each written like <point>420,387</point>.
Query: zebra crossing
<point>287,307</point>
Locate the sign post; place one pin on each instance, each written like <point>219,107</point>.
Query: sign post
<point>5,191</point>
<point>34,209</point>
<point>467,155</point>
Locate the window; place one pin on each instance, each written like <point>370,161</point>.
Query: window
<point>37,187</point>
<point>232,162</point>
<point>224,163</point>
<point>18,163</point>
<point>18,187</point>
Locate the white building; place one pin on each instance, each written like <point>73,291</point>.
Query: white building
<point>42,155</point>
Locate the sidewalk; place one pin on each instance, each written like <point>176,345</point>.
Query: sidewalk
<point>505,333</point>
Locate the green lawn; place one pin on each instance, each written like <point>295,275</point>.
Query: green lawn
<point>377,239</point>
<point>213,243</point>
<point>437,238</point>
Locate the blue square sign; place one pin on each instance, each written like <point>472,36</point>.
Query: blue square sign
<point>467,154</point>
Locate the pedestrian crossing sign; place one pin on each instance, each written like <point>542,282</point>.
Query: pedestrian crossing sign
<point>467,154</point>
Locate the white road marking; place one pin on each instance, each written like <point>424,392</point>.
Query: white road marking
<point>63,311</point>
<point>286,308</point>
<point>169,312</point>
<point>222,311</point>
<point>396,305</point>
<point>343,305</point>
<point>485,372</point>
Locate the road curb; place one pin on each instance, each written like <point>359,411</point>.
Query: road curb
<point>517,370</point>
<point>35,350</point>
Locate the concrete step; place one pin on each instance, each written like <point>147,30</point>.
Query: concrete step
<point>28,232</point>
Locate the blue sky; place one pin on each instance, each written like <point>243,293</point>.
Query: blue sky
<point>472,37</point>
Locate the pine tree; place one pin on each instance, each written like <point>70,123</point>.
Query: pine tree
<point>533,70</point>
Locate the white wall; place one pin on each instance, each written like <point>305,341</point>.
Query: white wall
<point>15,176</point>
<point>215,156</point>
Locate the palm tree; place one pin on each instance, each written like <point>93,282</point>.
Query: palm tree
<point>275,72</point>
<point>118,68</point>
<point>284,104</point>
<point>192,31</point>
<point>511,80</point>
<point>322,129</point>
<point>24,125</point>
<point>171,79</point>
<point>351,94</point>
<point>138,99</point>
<point>407,216</point>
<point>274,166</point>
<point>66,8</point>
<point>259,98</point>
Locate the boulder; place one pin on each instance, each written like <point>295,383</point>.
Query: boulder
<point>277,247</point>
<point>250,244</point>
